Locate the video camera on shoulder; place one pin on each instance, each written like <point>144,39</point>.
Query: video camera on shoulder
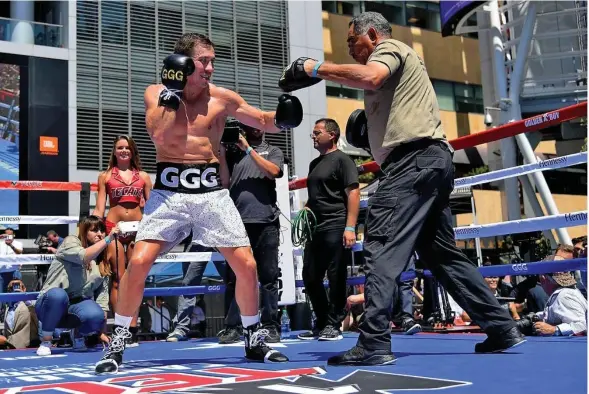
<point>43,244</point>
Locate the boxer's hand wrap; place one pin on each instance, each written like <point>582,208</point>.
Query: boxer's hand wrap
<point>289,112</point>
<point>175,72</point>
<point>294,76</point>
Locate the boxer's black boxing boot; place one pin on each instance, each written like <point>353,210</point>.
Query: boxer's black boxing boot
<point>113,358</point>
<point>256,349</point>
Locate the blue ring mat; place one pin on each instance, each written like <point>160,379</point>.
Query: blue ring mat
<point>424,362</point>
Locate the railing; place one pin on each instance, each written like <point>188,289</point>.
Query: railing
<point>46,34</point>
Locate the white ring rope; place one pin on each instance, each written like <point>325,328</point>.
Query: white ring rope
<point>473,231</point>
<point>572,219</point>
<point>550,164</point>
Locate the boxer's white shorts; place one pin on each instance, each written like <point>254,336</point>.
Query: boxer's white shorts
<point>212,217</point>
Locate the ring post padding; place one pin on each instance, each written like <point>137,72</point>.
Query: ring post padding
<point>85,200</point>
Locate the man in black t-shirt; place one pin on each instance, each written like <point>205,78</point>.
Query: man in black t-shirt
<point>334,198</point>
<point>253,166</point>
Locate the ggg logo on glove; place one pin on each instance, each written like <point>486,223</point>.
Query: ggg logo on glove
<point>172,75</point>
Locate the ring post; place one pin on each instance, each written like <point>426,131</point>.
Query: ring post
<point>85,200</point>
<point>508,153</point>
<point>522,140</point>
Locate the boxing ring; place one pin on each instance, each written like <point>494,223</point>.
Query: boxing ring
<point>426,361</point>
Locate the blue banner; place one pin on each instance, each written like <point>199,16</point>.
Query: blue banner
<point>452,12</point>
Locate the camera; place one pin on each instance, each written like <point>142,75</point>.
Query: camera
<point>43,243</point>
<point>230,132</point>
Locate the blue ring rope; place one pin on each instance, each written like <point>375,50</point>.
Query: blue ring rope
<point>535,268</point>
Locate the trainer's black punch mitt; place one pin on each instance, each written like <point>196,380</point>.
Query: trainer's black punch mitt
<point>357,130</point>
<point>294,76</point>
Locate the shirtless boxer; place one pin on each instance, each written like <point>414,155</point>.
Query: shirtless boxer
<point>185,118</point>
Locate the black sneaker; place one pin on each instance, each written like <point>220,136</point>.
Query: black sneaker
<point>229,335</point>
<point>133,341</point>
<point>410,327</point>
<point>330,333</point>
<point>309,335</point>
<point>113,357</point>
<point>256,348</point>
<point>500,343</point>
<point>273,334</point>
<point>361,356</point>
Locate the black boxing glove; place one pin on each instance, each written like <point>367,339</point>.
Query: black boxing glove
<point>174,75</point>
<point>289,112</point>
<point>294,76</point>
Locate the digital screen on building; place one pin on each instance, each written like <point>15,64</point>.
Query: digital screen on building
<point>9,137</point>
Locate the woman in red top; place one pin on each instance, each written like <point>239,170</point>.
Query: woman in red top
<point>127,188</point>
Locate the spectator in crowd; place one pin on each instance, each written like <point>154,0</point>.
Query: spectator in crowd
<point>9,247</point>
<point>55,239</point>
<point>160,316</point>
<point>75,294</point>
<point>198,319</point>
<point>566,309</point>
<point>580,245</point>
<point>192,276</point>
<point>21,327</point>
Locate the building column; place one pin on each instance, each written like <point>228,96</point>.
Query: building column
<point>23,11</point>
<point>305,36</point>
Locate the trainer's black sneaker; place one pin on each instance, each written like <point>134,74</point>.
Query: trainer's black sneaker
<point>410,327</point>
<point>256,348</point>
<point>113,358</point>
<point>500,343</point>
<point>273,334</point>
<point>309,335</point>
<point>229,335</point>
<point>330,333</point>
<point>361,356</point>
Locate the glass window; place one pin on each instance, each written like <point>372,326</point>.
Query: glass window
<point>329,6</point>
<point>478,99</point>
<point>337,90</point>
<point>392,11</point>
<point>465,98</point>
<point>350,8</point>
<point>114,22</point>
<point>445,94</point>
<point>423,14</point>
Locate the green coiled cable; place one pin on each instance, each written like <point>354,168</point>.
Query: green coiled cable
<point>303,227</point>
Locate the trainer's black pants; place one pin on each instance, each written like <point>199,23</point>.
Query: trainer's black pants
<point>410,212</point>
<point>326,253</point>
<point>264,240</point>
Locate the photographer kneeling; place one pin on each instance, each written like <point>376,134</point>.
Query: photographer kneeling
<point>75,294</point>
<point>565,313</point>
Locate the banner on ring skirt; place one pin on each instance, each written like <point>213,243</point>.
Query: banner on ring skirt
<point>286,273</point>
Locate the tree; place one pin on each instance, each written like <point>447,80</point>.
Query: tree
<point>368,177</point>
<point>477,171</point>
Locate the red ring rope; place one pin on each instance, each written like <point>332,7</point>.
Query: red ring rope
<point>496,133</point>
<point>508,130</point>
